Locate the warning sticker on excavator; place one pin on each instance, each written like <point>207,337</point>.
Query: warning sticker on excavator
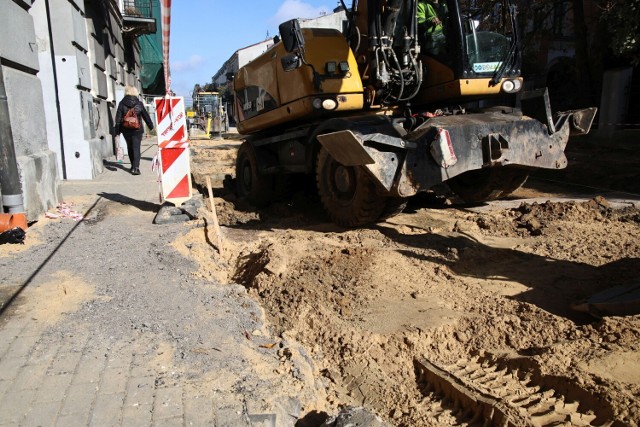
<point>486,67</point>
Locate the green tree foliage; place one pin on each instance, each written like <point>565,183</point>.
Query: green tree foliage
<point>622,18</point>
<point>604,33</point>
<point>619,18</point>
<point>225,92</point>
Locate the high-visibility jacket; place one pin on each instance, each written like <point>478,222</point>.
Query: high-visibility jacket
<point>425,14</point>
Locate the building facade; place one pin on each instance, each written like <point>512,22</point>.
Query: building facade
<point>65,64</point>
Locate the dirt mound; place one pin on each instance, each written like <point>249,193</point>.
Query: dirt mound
<point>535,219</point>
<point>444,285</point>
<point>491,291</point>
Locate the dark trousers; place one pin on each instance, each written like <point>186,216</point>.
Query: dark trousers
<point>134,140</point>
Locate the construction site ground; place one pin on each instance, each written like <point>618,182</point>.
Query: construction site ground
<point>447,314</point>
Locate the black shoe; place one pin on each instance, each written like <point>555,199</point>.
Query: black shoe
<point>135,171</point>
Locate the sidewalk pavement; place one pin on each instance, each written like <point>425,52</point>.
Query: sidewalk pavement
<point>117,176</point>
<point>103,325</point>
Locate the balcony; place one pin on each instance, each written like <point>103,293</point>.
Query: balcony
<point>137,16</point>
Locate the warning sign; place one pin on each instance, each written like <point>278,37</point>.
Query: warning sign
<point>173,150</point>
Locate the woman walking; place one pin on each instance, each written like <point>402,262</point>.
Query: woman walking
<point>129,125</point>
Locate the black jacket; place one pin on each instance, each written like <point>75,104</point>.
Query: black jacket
<point>123,108</point>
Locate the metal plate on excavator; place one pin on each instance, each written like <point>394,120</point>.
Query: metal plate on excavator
<point>345,147</point>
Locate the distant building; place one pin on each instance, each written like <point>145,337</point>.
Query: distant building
<point>337,20</point>
<point>550,57</point>
<point>550,30</point>
<point>64,67</point>
<point>240,58</point>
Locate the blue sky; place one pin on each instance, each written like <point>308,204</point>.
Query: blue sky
<point>205,33</point>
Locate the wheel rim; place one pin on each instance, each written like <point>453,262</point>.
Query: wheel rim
<point>342,181</point>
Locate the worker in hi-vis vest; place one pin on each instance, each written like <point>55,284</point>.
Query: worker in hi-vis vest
<point>430,14</point>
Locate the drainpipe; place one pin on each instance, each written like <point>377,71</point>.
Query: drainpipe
<point>12,201</point>
<point>54,67</point>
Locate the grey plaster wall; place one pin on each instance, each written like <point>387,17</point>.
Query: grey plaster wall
<point>41,188</point>
<point>38,12</point>
<point>19,52</point>
<point>18,41</point>
<point>73,52</point>
<point>27,117</point>
<point>64,72</point>
<point>90,64</point>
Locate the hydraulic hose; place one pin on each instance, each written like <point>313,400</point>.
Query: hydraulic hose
<point>374,34</point>
<point>412,28</point>
<point>392,18</point>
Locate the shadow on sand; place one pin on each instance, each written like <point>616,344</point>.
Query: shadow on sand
<point>553,284</point>
<point>140,204</point>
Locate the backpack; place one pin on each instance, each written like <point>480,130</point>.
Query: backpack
<point>131,120</point>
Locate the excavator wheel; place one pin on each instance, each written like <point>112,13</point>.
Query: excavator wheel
<point>347,193</point>
<point>255,188</point>
<point>515,180</point>
<point>484,185</point>
<point>393,206</point>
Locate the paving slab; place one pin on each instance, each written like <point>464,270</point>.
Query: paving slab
<point>103,322</point>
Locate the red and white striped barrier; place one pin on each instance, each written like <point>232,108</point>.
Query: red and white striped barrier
<point>174,165</point>
<point>165,15</point>
<point>172,121</point>
<point>174,170</point>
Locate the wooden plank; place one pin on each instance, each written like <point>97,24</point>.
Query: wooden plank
<point>216,225</point>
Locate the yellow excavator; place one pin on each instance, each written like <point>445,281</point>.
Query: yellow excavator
<point>209,116</point>
<point>388,110</point>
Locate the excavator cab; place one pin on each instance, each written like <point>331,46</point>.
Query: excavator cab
<point>472,53</point>
<point>479,54</point>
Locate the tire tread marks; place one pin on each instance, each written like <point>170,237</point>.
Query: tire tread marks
<point>482,389</point>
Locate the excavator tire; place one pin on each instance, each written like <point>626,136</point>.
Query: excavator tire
<point>485,185</point>
<point>348,195</point>
<point>393,206</point>
<point>516,180</point>
<point>255,188</point>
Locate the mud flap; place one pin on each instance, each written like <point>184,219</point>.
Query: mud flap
<point>345,148</point>
<point>351,149</point>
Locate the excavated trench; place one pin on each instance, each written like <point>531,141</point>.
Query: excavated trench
<point>443,315</point>
<point>376,307</point>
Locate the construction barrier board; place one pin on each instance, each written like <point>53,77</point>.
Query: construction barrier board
<point>174,171</point>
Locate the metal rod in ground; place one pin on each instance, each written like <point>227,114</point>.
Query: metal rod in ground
<point>216,225</point>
